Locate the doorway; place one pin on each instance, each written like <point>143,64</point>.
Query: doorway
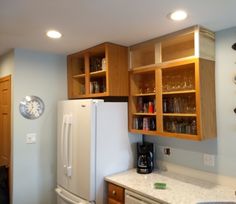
<point>5,139</point>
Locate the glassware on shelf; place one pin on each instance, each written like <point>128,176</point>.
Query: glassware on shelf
<point>194,127</point>
<point>189,81</point>
<point>177,81</point>
<point>140,90</point>
<point>179,104</point>
<point>165,110</point>
<point>153,87</point>
<point>95,63</point>
<point>91,87</point>
<point>140,105</point>
<point>180,125</point>
<point>138,123</point>
<point>144,123</point>
<point>176,105</point>
<point>152,124</point>
<point>96,87</point>
<point>166,84</point>
<point>145,105</point>
<point>150,107</point>
<point>82,89</point>
<point>103,63</point>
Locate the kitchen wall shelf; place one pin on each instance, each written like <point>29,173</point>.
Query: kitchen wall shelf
<point>145,94</point>
<point>179,69</point>
<point>100,71</point>
<point>145,114</point>
<point>178,92</point>
<point>180,114</point>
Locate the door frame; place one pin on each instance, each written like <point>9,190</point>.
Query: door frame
<point>10,170</point>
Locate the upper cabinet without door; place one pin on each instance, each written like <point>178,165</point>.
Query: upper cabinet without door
<point>99,71</point>
<point>172,86</point>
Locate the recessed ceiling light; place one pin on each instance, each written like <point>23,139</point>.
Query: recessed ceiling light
<point>53,34</point>
<point>178,15</point>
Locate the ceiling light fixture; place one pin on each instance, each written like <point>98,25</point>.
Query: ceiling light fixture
<point>178,15</point>
<point>54,34</point>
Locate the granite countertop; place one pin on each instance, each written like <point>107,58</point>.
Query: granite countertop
<point>180,189</point>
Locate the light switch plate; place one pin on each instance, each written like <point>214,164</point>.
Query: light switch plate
<point>31,138</point>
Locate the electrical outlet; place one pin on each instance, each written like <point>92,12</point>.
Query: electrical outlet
<point>166,151</point>
<point>209,159</point>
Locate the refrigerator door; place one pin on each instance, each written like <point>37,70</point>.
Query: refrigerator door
<point>76,148</point>
<point>115,148</point>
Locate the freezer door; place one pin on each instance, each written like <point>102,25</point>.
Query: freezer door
<point>64,197</point>
<point>76,148</point>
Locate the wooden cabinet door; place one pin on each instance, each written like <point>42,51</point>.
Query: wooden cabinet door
<point>115,194</point>
<point>5,121</point>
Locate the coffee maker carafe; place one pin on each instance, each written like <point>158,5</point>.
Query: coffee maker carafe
<point>144,157</point>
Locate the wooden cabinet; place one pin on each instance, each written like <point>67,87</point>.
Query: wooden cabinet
<point>115,194</point>
<point>99,71</point>
<point>172,92</point>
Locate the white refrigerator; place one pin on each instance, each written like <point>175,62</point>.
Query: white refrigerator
<point>93,142</point>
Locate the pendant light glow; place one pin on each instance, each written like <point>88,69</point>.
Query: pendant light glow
<point>54,34</point>
<point>178,15</point>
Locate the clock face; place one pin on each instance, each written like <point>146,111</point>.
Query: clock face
<point>31,107</point>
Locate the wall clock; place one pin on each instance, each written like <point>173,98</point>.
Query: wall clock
<point>31,107</point>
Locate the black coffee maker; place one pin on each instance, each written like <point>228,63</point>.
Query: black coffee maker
<point>144,157</point>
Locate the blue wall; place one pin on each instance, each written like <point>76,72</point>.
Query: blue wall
<point>34,165</point>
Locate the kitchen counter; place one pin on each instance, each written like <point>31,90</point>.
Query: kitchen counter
<point>180,189</point>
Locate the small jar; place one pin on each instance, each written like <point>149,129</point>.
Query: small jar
<point>103,63</point>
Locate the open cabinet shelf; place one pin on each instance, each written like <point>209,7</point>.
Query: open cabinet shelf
<point>100,71</point>
<point>184,107</point>
<point>193,42</point>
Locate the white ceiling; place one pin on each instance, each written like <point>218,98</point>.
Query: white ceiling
<point>85,23</point>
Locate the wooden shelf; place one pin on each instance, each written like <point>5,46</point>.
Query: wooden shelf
<point>180,135</point>
<point>147,132</point>
<point>178,92</point>
<point>145,94</point>
<point>180,114</point>
<point>144,114</point>
<point>98,94</point>
<point>78,76</point>
<point>100,73</point>
<point>145,69</point>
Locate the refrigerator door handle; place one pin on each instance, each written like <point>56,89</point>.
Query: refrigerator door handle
<point>63,133</point>
<point>69,146</point>
<point>59,193</point>
<point>66,145</point>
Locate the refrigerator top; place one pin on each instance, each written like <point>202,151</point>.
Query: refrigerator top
<point>86,100</point>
